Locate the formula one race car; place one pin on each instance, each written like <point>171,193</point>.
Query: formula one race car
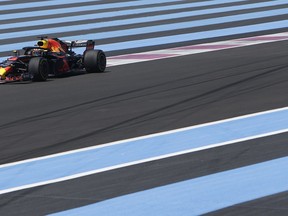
<point>52,56</point>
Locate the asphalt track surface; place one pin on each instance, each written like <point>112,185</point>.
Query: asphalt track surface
<point>132,100</point>
<point>231,89</point>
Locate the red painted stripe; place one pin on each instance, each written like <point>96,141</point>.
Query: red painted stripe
<point>143,56</point>
<point>272,38</point>
<point>204,46</point>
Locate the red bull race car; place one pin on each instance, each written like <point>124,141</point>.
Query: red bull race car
<point>52,57</point>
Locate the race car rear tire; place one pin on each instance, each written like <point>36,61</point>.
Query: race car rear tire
<point>95,61</point>
<point>38,68</point>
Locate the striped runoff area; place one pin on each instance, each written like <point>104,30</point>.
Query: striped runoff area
<point>143,24</point>
<point>133,31</point>
<point>234,186</point>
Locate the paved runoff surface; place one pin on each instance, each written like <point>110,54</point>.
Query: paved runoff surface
<point>190,117</point>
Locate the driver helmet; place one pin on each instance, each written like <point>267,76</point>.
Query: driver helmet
<point>43,44</point>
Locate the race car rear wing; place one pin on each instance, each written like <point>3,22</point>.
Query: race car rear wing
<point>89,44</point>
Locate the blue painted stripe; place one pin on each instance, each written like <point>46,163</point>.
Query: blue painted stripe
<point>3,58</point>
<point>43,3</point>
<point>187,37</point>
<point>146,10</point>
<point>83,8</point>
<point>197,196</point>
<point>96,158</point>
<point>167,39</point>
<point>144,30</point>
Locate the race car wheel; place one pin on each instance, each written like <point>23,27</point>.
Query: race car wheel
<point>94,61</point>
<point>38,68</point>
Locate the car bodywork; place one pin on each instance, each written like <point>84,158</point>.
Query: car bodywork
<point>51,57</point>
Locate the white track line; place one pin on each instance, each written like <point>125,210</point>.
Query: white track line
<point>142,137</point>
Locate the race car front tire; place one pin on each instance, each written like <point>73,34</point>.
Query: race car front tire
<point>95,61</point>
<point>38,68</point>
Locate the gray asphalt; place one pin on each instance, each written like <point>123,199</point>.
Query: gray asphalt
<point>124,102</point>
<point>161,95</point>
<point>271,205</point>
